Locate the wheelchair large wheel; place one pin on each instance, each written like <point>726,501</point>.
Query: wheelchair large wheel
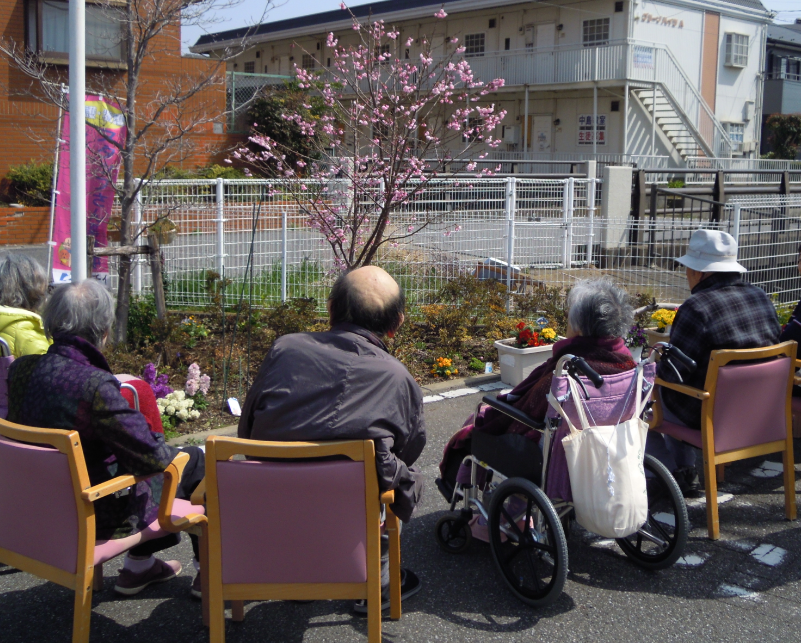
<point>527,542</point>
<point>661,540</point>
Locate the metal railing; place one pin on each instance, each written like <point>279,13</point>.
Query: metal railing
<point>242,88</point>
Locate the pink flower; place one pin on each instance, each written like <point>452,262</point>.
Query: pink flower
<point>342,6</point>
<point>441,13</point>
<point>191,387</point>
<point>205,383</point>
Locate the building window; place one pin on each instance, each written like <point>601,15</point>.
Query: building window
<point>250,67</point>
<point>474,44</point>
<point>619,6</point>
<point>492,23</point>
<point>471,134</point>
<point>383,50</point>
<point>596,32</point>
<point>736,133</point>
<point>736,50</point>
<point>507,44</point>
<point>308,61</point>
<point>47,30</point>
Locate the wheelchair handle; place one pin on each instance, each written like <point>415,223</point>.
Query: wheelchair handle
<point>581,365</point>
<point>671,350</point>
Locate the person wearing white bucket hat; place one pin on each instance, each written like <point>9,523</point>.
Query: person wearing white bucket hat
<point>723,311</point>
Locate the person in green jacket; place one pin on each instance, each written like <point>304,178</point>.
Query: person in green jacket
<point>23,287</point>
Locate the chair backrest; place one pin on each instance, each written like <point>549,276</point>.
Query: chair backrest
<point>750,399</point>
<point>291,522</point>
<point>612,403</point>
<point>42,516</point>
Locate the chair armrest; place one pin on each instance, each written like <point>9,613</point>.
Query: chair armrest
<point>172,477</point>
<point>387,498</point>
<point>199,494</point>
<point>111,486</point>
<point>512,412</point>
<point>697,393</point>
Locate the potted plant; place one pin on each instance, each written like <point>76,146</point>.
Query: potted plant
<point>519,355</point>
<point>636,340</point>
<point>165,230</point>
<point>664,321</point>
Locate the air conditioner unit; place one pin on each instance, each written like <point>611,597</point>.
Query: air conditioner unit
<point>749,146</point>
<point>511,133</point>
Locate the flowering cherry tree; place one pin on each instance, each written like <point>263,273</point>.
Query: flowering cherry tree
<point>393,124</point>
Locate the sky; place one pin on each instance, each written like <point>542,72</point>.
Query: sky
<point>246,12</point>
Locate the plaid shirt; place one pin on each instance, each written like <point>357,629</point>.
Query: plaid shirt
<point>723,312</point>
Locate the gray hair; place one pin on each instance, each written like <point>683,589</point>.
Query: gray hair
<point>23,283</point>
<point>598,308</point>
<point>85,309</point>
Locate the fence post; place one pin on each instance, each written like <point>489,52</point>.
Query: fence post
<point>283,254</point>
<point>591,205</point>
<point>735,224</point>
<point>511,194</point>
<point>567,222</point>
<point>220,221</point>
<point>137,276</point>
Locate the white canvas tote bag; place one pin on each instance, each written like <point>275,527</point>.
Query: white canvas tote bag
<point>606,468</point>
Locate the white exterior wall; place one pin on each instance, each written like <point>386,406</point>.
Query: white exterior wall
<point>736,85</point>
<point>684,42</point>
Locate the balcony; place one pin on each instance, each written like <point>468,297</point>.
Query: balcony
<point>782,93</point>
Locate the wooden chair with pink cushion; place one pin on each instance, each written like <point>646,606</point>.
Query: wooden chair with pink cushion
<point>745,413</point>
<point>47,518</point>
<point>296,530</point>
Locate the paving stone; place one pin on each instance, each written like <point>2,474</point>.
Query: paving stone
<point>769,555</point>
<point>459,392</point>
<point>432,398</point>
<point>768,469</point>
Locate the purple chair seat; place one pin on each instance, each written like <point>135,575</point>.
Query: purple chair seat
<point>684,433</point>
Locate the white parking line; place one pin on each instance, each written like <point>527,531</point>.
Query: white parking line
<point>734,590</point>
<point>459,392</point>
<point>768,469</point>
<point>769,555</point>
<point>432,398</point>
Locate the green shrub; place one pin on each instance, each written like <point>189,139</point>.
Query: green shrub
<point>545,301</point>
<point>141,315</point>
<point>475,364</point>
<point>32,182</point>
<point>220,172</point>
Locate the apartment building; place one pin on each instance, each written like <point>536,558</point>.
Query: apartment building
<point>28,123</point>
<point>782,72</point>
<point>602,78</point>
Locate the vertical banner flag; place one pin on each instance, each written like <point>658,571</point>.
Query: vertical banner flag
<point>104,123</point>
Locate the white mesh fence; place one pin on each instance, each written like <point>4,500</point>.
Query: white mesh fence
<point>556,226</point>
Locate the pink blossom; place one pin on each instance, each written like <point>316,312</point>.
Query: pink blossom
<point>441,13</point>
<point>191,387</point>
<point>205,383</point>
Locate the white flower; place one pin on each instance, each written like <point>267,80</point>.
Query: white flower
<point>190,403</point>
<point>179,395</point>
<point>170,410</point>
<point>194,414</point>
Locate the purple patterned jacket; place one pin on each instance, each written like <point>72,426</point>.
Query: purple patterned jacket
<point>71,387</point>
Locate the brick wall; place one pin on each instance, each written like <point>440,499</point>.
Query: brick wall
<point>28,126</point>
<point>24,226</point>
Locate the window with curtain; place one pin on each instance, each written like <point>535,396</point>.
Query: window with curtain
<point>47,29</point>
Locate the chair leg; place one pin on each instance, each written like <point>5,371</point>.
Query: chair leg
<point>82,609</point>
<point>394,566</point>
<point>789,485</point>
<point>204,573</point>
<point>238,610</point>
<point>712,521</point>
<point>97,580</point>
<point>721,472</point>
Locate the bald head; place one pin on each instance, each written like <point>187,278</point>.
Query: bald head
<point>367,297</point>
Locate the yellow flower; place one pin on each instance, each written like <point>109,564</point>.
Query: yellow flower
<point>455,371</point>
<point>548,333</point>
<point>447,372</point>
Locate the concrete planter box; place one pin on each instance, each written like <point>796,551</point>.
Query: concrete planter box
<point>655,336</point>
<point>517,363</point>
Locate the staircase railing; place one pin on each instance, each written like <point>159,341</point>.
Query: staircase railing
<point>656,63</point>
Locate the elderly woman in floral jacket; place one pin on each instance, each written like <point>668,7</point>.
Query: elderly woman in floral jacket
<point>71,387</point>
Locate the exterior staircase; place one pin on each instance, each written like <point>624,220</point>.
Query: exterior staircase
<point>670,120</point>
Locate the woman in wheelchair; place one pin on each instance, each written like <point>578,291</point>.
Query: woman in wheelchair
<point>599,317</point>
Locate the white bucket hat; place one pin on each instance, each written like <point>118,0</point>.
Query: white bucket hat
<point>712,251</point>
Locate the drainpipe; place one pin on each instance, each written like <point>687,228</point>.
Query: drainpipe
<point>653,121</point>
<point>595,119</point>
<point>525,124</point>
<point>626,119</point>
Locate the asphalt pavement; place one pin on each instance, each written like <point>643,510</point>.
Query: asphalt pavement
<point>744,587</point>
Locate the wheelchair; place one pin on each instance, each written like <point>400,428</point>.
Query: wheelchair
<point>521,491</point>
